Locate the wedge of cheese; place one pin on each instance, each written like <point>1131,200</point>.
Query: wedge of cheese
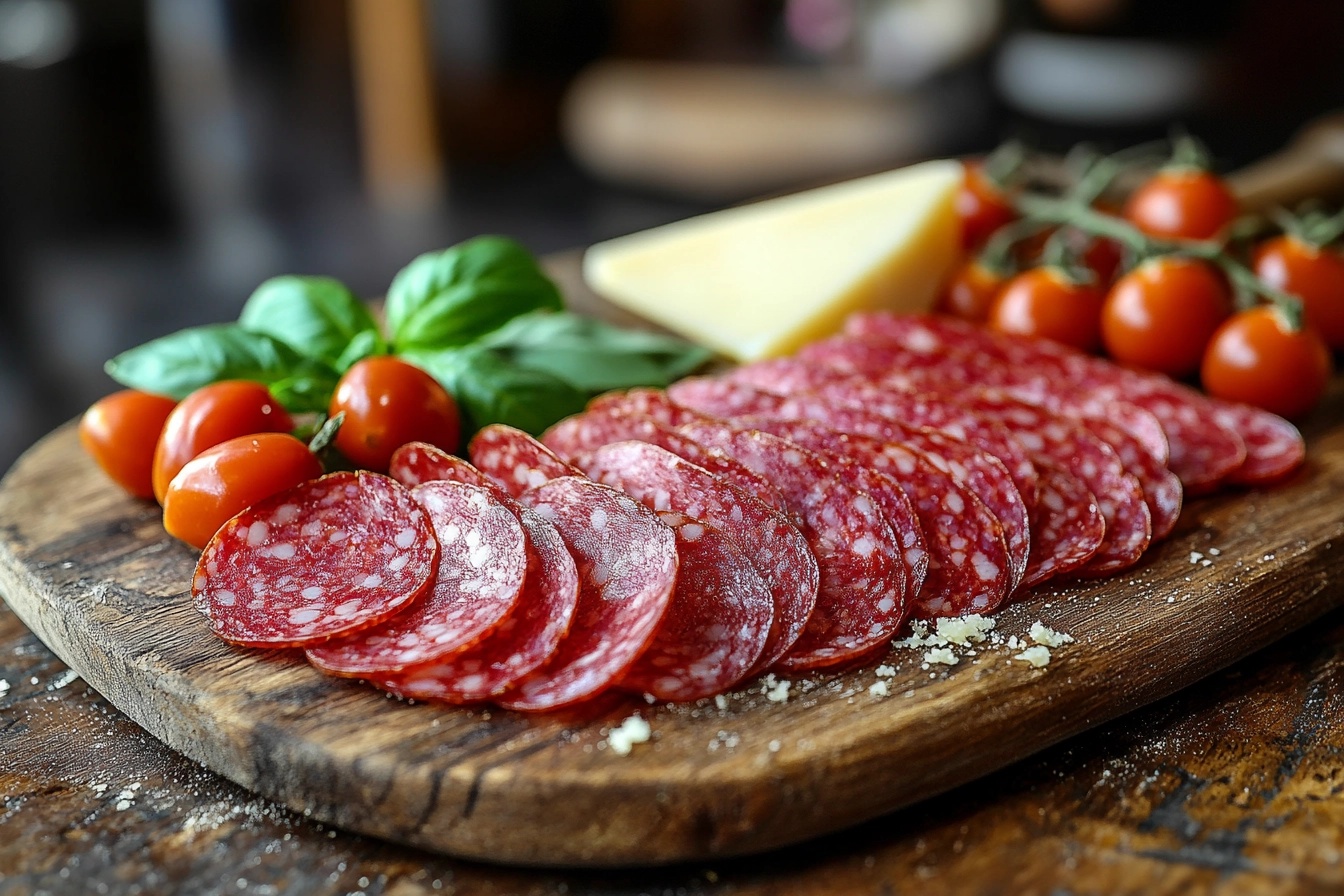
<point>761,280</point>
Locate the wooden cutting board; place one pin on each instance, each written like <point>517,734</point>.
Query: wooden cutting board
<point>93,574</point>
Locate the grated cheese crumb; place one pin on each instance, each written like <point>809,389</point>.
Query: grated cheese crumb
<point>776,691</point>
<point>879,689</point>
<point>774,746</point>
<point>4,687</point>
<point>1196,556</point>
<point>721,701</point>
<point>1037,656</point>
<point>633,730</point>
<point>1013,642</point>
<point>1043,634</point>
<point>885,671</point>
<point>941,655</point>
<point>965,630</point>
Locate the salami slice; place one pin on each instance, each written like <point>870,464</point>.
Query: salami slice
<point>863,590</point>
<point>1162,490</point>
<point>418,462</point>
<point>515,460</point>
<point>662,480</point>
<point>627,563</point>
<point>608,422</point>
<point>968,564</point>
<point>482,563</point>
<point>524,641</point>
<point>323,559</point>
<point>1274,447</point>
<point>983,474</point>
<point>1067,527</point>
<point>717,625</point>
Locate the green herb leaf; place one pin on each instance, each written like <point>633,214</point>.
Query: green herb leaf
<point>591,355</point>
<point>182,362</point>
<point>450,298</point>
<point>318,317</point>
<point>489,389</point>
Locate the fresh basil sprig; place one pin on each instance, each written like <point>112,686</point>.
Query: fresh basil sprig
<point>481,317</point>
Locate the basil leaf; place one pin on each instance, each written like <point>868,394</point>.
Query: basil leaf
<point>592,355</point>
<point>450,298</point>
<point>182,362</point>
<point>318,317</point>
<point>489,389</point>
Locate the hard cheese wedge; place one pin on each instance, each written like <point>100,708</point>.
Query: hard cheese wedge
<point>763,279</point>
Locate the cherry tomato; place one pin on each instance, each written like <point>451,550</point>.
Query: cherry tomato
<point>1182,204</point>
<point>970,293</point>
<point>220,482</point>
<point>387,403</point>
<point>120,431</point>
<point>1256,359</point>
<point>982,207</point>
<point>1103,258</point>
<point>1314,275</point>
<point>210,415</point>
<point>1160,315</point>
<point>1044,303</point>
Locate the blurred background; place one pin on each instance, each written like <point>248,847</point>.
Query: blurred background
<point>160,158</point>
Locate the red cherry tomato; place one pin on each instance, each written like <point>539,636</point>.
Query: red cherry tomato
<point>1182,204</point>
<point>1044,303</point>
<point>970,293</point>
<point>387,403</point>
<point>120,431</point>
<point>1103,258</point>
<point>981,206</point>
<point>1256,359</point>
<point>210,415</point>
<point>1314,275</point>
<point>220,482</point>
<point>1160,315</point>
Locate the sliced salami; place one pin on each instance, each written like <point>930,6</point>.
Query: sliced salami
<point>627,563</point>
<point>515,460</point>
<point>863,591</point>
<point>524,641</point>
<point>718,623</point>
<point>1274,447</point>
<point>979,471</point>
<point>968,564</point>
<point>321,560</point>
<point>1162,490</point>
<point>1067,527</point>
<point>418,462</point>
<point>662,480</point>
<point>608,422</point>
<point>482,564</point>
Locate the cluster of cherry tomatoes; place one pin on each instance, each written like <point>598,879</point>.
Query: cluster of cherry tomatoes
<point>1173,308</point>
<point>230,444</point>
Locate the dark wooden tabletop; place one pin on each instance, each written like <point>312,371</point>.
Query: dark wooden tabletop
<point>1233,786</point>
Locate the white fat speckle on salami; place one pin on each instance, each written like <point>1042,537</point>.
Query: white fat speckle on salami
<point>1274,447</point>
<point>1067,527</point>
<point>515,460</point>
<point>662,480</point>
<point>627,572</point>
<point>717,625</point>
<point>969,569</point>
<point>482,563</point>
<point>863,592</point>
<point>245,580</point>
<point>524,641</point>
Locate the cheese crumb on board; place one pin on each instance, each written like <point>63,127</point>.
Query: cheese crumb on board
<point>1037,656</point>
<point>965,630</point>
<point>633,730</point>
<point>775,690</point>
<point>1044,635</point>
<point>941,655</point>
<point>879,689</point>
<point>761,280</point>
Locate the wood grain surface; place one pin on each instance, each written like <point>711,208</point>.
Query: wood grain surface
<point>93,574</point>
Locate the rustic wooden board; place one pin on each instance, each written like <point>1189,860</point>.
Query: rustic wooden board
<point>92,573</point>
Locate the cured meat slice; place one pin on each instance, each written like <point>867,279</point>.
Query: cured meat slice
<point>418,462</point>
<point>1274,447</point>
<point>863,589</point>
<point>608,422</point>
<point>482,564</point>
<point>515,460</point>
<point>1162,490</point>
<point>983,474</point>
<point>718,623</point>
<point>1204,452</point>
<point>524,641</point>
<point>661,480</point>
<point>1067,527</point>
<point>324,559</point>
<point>627,563</point>
<point>1129,528</point>
<point>968,565</point>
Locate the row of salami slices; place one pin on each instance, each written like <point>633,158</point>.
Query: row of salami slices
<point>788,516</point>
